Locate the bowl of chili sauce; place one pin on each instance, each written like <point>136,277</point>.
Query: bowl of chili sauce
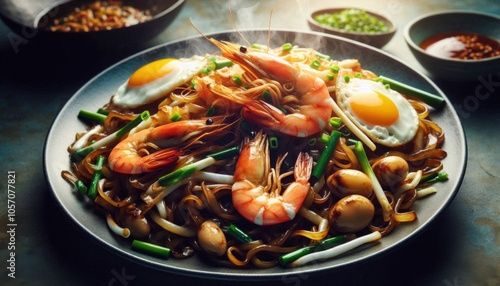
<point>456,45</point>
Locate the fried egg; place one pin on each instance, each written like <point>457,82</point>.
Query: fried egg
<point>154,80</point>
<point>381,113</point>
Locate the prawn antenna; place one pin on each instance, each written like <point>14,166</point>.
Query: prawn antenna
<point>198,30</point>
<point>269,30</point>
<point>233,21</point>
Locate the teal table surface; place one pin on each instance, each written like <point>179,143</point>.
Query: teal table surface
<point>461,247</point>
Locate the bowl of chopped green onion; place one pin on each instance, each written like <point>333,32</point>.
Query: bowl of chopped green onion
<point>353,23</point>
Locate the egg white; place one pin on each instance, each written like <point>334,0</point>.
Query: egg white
<point>398,133</point>
<point>185,69</point>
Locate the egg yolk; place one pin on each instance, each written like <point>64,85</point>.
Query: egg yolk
<point>151,72</point>
<point>374,108</point>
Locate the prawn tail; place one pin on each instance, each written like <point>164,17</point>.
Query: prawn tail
<point>303,167</point>
<point>160,159</point>
<point>296,193</point>
<point>263,114</point>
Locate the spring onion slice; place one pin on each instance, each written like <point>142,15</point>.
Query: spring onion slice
<point>286,47</point>
<point>335,121</point>
<point>273,142</point>
<point>338,250</point>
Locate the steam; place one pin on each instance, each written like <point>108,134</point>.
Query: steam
<point>253,19</point>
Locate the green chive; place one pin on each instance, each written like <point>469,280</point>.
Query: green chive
<point>210,67</point>
<point>429,98</point>
<point>319,168</point>
<point>225,154</point>
<point>294,255</point>
<point>238,234</point>
<point>335,69</point>
<point>323,245</point>
<point>81,187</point>
<point>176,176</point>
<point>92,191</point>
<point>347,78</point>
<point>151,248</point>
<point>103,111</point>
<point>436,177</point>
<point>223,63</point>
<point>256,46</point>
<point>125,129</point>
<point>92,116</point>
<point>323,56</point>
<point>187,171</point>
<point>331,242</point>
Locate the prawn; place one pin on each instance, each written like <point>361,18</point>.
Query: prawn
<point>256,191</point>
<point>126,156</point>
<point>314,100</point>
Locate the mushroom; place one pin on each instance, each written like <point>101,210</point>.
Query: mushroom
<point>351,214</point>
<point>391,171</point>
<point>211,238</point>
<point>131,217</point>
<point>346,182</point>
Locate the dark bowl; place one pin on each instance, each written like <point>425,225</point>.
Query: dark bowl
<point>30,18</point>
<point>377,40</point>
<point>453,21</point>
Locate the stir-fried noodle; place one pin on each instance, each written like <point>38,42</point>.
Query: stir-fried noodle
<point>263,186</point>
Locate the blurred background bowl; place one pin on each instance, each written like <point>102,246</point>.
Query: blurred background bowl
<point>377,40</point>
<point>30,18</point>
<point>450,22</point>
